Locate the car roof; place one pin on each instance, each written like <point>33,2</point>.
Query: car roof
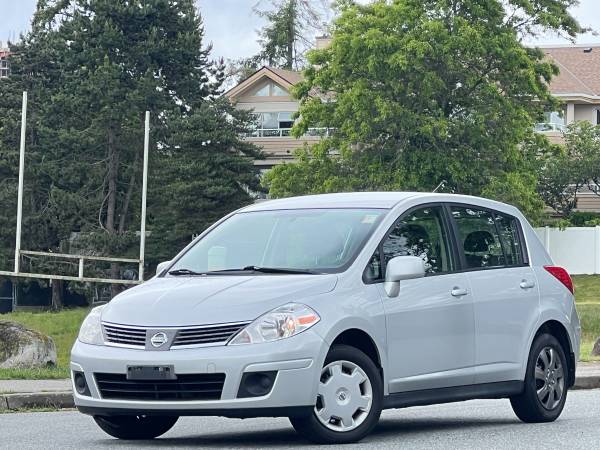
<point>380,200</point>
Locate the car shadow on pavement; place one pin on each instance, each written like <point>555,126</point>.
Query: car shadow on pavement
<point>287,437</point>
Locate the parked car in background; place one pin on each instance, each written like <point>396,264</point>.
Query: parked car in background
<point>329,308</point>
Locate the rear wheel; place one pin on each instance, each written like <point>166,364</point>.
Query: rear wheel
<point>135,427</point>
<point>349,399</point>
<point>545,392</point>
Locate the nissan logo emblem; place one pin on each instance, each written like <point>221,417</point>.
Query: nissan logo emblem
<point>159,339</point>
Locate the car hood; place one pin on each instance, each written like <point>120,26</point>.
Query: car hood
<point>170,301</point>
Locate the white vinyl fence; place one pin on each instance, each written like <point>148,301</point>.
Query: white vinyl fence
<point>577,249</point>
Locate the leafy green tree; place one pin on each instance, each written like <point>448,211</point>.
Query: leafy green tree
<point>99,65</point>
<point>289,32</point>
<point>571,168</point>
<point>423,91</point>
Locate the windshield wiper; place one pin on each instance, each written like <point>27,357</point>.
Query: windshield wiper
<point>184,272</point>
<point>189,272</point>
<point>278,270</point>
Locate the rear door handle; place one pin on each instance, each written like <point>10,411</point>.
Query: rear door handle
<point>458,292</point>
<point>525,284</point>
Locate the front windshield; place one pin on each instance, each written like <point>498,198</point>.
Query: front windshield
<point>314,240</point>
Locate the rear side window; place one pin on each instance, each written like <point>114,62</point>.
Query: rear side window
<point>488,239</point>
<point>511,241</point>
<point>478,237</point>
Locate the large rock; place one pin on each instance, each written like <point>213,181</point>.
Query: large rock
<point>22,348</point>
<point>596,349</point>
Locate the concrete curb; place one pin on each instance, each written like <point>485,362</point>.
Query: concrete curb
<point>587,382</point>
<point>55,400</point>
<point>63,400</point>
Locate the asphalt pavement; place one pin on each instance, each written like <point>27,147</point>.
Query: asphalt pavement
<point>477,424</point>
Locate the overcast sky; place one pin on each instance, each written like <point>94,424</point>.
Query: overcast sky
<point>231,26</point>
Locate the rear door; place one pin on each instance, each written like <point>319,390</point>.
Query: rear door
<point>504,287</point>
<point>430,325</point>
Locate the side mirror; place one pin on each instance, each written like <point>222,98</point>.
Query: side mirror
<point>162,266</point>
<point>402,268</point>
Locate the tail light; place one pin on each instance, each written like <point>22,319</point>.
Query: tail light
<point>561,275</point>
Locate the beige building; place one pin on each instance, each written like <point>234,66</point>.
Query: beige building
<point>267,93</point>
<point>577,85</point>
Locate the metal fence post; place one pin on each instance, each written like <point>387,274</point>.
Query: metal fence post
<point>144,190</point>
<point>20,191</point>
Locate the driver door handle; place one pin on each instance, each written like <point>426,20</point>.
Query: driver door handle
<point>458,292</point>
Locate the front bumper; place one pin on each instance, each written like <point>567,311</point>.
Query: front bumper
<point>297,360</point>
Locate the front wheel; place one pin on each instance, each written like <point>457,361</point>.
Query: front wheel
<point>349,399</point>
<point>545,391</point>
<point>135,427</point>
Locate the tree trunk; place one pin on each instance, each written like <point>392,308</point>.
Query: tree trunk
<point>111,207</point>
<point>127,201</point>
<point>57,295</point>
<point>291,37</point>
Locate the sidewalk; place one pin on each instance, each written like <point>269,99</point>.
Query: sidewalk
<point>23,394</point>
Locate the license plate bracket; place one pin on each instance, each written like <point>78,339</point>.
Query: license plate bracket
<point>150,373</point>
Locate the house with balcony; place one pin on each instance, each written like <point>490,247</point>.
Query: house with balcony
<point>577,85</point>
<point>267,94</point>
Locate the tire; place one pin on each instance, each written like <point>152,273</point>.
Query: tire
<point>135,427</point>
<point>546,359</point>
<point>358,384</point>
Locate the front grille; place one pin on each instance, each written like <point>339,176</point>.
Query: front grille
<point>122,335</point>
<point>206,335</point>
<point>186,387</point>
<point>127,336</point>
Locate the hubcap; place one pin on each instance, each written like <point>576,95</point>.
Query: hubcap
<point>549,378</point>
<point>345,396</point>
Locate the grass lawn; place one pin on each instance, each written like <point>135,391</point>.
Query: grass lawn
<point>587,296</point>
<point>63,328</point>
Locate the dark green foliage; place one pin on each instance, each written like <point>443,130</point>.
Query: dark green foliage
<point>92,68</point>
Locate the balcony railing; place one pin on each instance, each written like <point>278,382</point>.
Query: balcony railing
<point>550,126</point>
<point>286,132</point>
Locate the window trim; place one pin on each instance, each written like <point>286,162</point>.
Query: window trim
<point>493,212</point>
<point>452,243</point>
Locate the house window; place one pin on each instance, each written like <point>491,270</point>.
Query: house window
<point>553,121</point>
<point>285,120</point>
<point>262,92</point>
<point>278,91</point>
<point>598,117</point>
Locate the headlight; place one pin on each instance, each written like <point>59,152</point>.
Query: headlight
<point>91,329</point>
<point>282,322</point>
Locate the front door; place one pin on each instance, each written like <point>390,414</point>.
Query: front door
<point>430,325</point>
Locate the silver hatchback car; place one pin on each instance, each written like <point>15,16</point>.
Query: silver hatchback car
<point>329,308</point>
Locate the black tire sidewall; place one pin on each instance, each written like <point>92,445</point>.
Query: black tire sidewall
<point>530,392</point>
<point>310,426</point>
<point>135,427</point>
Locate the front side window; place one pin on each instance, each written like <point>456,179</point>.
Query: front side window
<point>478,237</point>
<point>421,233</point>
<point>319,240</point>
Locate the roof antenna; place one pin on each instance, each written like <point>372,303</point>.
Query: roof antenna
<point>439,186</point>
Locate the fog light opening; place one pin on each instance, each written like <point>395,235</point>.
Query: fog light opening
<point>80,384</point>
<point>256,384</point>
